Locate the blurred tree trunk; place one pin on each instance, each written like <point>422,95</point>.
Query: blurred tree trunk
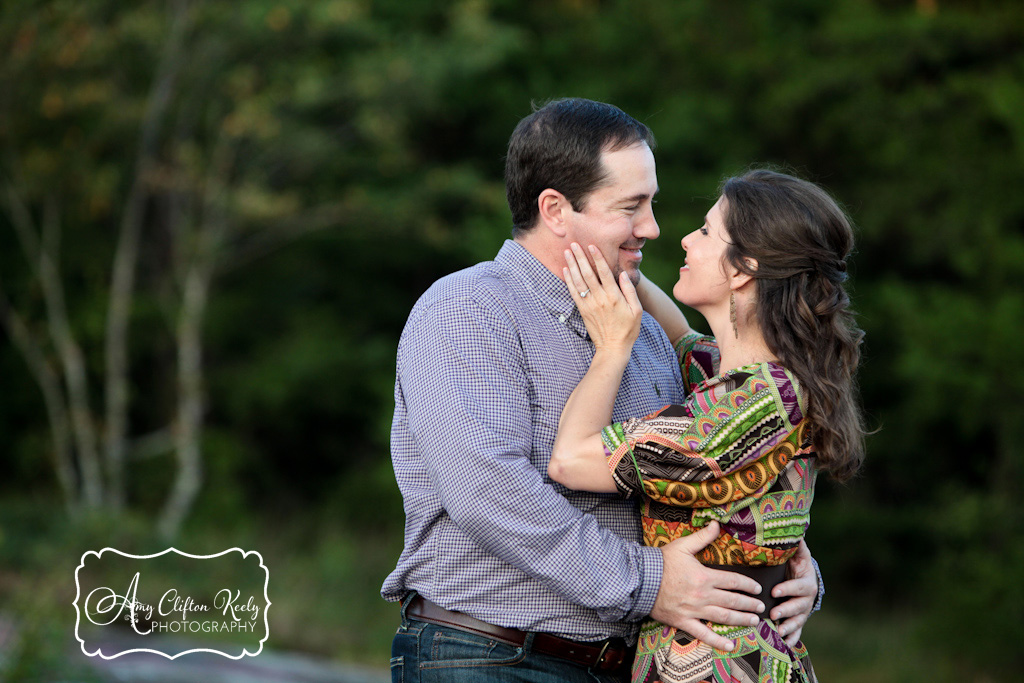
<point>70,354</point>
<point>202,250</point>
<point>68,409</point>
<point>74,425</point>
<point>56,410</point>
<point>122,284</point>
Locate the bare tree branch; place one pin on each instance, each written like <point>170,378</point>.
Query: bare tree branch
<point>203,255</point>
<point>188,477</point>
<point>283,233</point>
<point>53,399</point>
<point>122,286</point>
<point>21,219</point>
<point>152,445</point>
<point>71,357</point>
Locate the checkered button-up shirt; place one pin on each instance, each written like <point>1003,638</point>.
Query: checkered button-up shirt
<point>486,362</point>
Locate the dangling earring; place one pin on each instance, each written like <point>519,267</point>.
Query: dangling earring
<point>732,314</point>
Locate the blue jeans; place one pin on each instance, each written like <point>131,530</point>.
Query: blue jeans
<point>427,653</point>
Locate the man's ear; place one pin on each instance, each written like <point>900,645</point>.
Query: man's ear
<point>553,208</point>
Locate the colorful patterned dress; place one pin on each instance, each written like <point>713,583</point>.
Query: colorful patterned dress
<point>735,452</point>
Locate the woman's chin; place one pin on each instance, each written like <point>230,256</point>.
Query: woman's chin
<point>679,293</point>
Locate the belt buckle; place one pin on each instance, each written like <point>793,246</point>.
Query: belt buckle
<point>598,664</point>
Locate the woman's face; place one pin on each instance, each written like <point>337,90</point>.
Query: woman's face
<point>702,279</point>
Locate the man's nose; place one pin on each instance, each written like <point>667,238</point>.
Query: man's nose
<point>647,227</point>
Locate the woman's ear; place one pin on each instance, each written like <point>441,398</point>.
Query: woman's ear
<point>738,278</point>
<point>552,206</point>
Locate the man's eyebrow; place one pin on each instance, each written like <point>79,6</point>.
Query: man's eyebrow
<point>639,197</point>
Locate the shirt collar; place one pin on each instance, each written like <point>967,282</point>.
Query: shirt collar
<point>549,288</point>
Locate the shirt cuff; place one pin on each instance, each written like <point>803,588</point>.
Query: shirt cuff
<point>651,567</point>
<point>821,587</point>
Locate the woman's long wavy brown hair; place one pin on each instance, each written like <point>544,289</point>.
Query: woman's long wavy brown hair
<point>800,239</point>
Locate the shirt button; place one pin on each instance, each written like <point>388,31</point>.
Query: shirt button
<point>561,319</point>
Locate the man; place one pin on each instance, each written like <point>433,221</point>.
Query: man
<point>506,575</point>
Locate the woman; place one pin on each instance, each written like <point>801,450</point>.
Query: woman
<point>770,402</point>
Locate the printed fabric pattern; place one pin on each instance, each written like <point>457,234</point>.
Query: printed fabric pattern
<point>737,452</point>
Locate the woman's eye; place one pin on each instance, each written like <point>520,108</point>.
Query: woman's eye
<point>704,230</point>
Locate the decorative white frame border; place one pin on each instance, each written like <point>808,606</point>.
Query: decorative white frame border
<point>245,651</point>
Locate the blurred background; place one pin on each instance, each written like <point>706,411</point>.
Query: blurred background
<point>215,216</point>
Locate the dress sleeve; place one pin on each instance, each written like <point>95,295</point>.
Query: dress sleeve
<point>734,447</point>
<point>698,359</point>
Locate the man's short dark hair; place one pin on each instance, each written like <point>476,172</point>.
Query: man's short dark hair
<point>559,146</point>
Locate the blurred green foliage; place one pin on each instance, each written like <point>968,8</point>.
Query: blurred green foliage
<point>366,143</point>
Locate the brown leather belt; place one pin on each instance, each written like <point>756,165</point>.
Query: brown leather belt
<point>767,576</point>
<point>606,656</point>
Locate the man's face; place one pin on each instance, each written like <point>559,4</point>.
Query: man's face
<point>618,216</point>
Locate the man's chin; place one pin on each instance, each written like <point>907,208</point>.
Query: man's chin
<point>632,273</point>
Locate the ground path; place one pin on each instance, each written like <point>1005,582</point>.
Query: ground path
<point>268,666</point>
<point>202,667</point>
